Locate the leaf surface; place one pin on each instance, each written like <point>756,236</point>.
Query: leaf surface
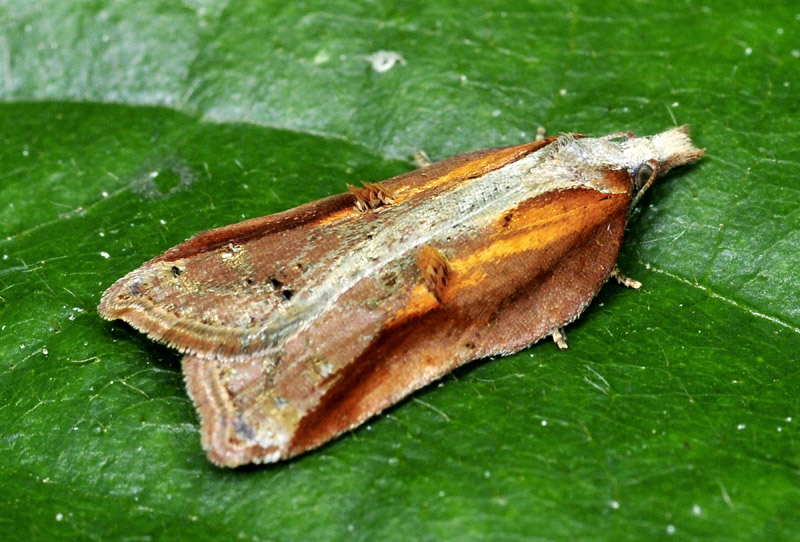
<point>125,127</point>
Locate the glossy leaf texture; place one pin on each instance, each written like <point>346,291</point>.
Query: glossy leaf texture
<point>126,127</point>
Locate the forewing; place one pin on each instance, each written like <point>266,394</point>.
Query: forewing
<point>245,288</point>
<point>525,274</point>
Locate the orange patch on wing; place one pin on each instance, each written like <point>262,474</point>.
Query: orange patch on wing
<point>471,169</point>
<point>337,216</point>
<point>535,228</point>
<point>420,301</point>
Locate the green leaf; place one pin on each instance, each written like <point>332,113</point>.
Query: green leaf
<point>125,127</point>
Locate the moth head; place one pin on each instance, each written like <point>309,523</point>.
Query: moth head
<point>649,157</point>
<point>674,148</point>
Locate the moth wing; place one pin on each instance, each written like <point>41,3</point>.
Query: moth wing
<point>234,291</point>
<point>241,422</point>
<point>531,272</point>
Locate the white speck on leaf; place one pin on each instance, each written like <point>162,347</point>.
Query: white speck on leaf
<point>321,57</point>
<point>383,61</point>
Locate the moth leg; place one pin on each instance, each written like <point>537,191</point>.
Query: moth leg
<point>625,281</point>
<point>422,159</point>
<point>540,132</point>
<point>560,338</point>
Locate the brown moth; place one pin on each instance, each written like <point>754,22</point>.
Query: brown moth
<point>299,326</point>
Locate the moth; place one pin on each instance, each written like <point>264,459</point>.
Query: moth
<point>299,326</point>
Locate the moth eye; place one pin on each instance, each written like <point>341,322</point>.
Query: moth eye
<point>643,175</point>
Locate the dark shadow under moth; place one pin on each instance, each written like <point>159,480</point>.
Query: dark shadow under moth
<point>301,325</point>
